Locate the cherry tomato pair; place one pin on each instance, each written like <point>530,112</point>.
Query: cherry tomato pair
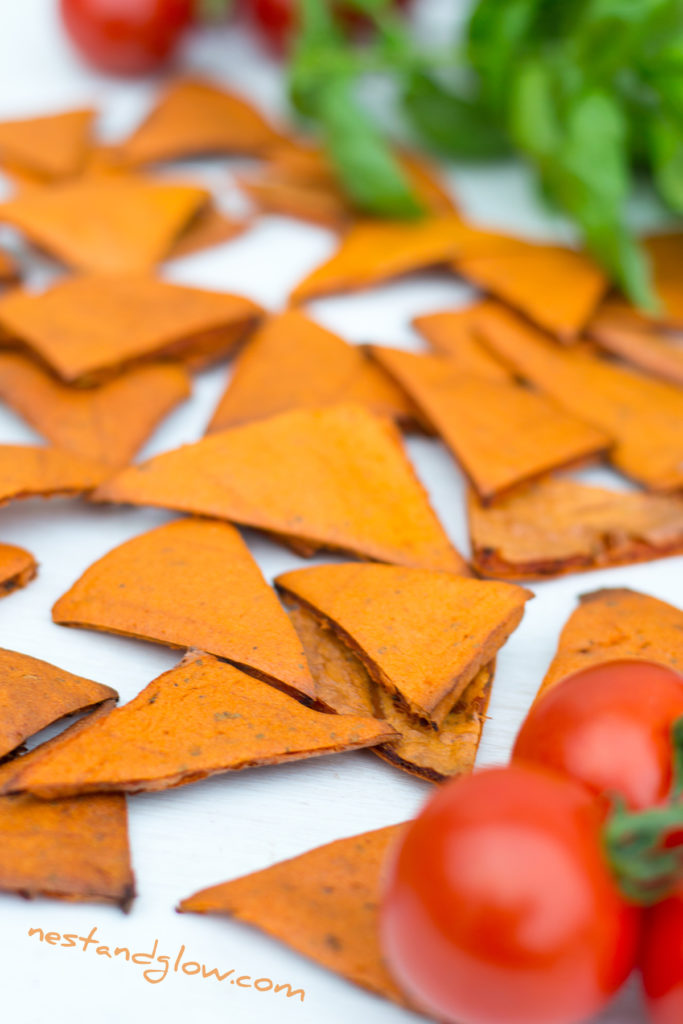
<point>500,904</point>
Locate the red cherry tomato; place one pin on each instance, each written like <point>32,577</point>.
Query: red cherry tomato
<point>126,37</point>
<point>662,961</point>
<point>610,727</point>
<point>499,906</point>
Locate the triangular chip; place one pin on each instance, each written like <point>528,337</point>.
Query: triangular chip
<point>202,718</point>
<point>452,334</point>
<point>9,270</point>
<point>324,904</point>
<point>343,684</point>
<point>196,118</point>
<point>88,327</point>
<point>105,223</point>
<point>617,625</point>
<point>191,583</point>
<point>666,252</point>
<point>644,417</point>
<point>556,287</point>
<point>17,568</point>
<point>29,471</point>
<point>291,362</point>
<point>51,147</point>
<point>74,849</point>
<point>421,635</point>
<point>208,228</point>
<point>372,252</point>
<point>34,694</point>
<point>626,333</point>
<point>560,526</point>
<point>500,432</point>
<point>106,423</point>
<point>323,478</point>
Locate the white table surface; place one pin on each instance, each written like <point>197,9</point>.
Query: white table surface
<point>202,834</point>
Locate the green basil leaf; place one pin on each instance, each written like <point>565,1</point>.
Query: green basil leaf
<point>367,168</point>
<point>449,124</point>
<point>533,120</point>
<point>498,30</point>
<point>666,153</point>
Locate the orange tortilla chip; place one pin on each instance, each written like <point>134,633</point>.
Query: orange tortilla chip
<point>501,433</point>
<point>17,568</point>
<point>202,718</point>
<point>9,270</point>
<point>342,684</point>
<point>105,223</point>
<point>34,694</point>
<point>555,287</point>
<point>29,471</point>
<point>560,526</point>
<point>372,252</point>
<point>453,334</point>
<point>208,228</point>
<point>196,118</point>
<point>666,252</point>
<point>51,147</point>
<point>626,333</point>
<point>74,850</point>
<point>617,625</point>
<point>644,417</point>
<point>87,327</point>
<point>321,478</point>
<point>291,362</point>
<point>191,583</point>
<point>107,423</point>
<point>421,635</point>
<point>324,904</point>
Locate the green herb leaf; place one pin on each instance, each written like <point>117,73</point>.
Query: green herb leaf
<point>449,124</point>
<point>666,151</point>
<point>534,124</point>
<point>498,31</point>
<point>363,159</point>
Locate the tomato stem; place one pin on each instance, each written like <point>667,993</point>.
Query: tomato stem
<point>647,869</point>
<point>677,759</point>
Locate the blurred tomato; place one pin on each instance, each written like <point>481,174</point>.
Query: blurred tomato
<point>126,37</point>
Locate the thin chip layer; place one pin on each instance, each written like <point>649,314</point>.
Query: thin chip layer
<point>108,423</point>
<point>324,904</point>
<point>75,849</point>
<point>343,684</point>
<point>34,694</point>
<point>105,223</point>
<point>202,718</point>
<point>194,117</point>
<point>555,287</point>
<point>334,478</point>
<point>191,583</point>
<point>617,624</point>
<point>452,333</point>
<point>500,432</point>
<point>17,568</point>
<point>291,362</point>
<point>209,227</point>
<point>87,327</point>
<point>422,636</point>
<point>644,417</point>
<point>29,471</point>
<point>559,526</point>
<point>50,147</point>
<point>372,252</point>
<point>626,333</point>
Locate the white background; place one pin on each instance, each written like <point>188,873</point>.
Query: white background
<point>202,834</point>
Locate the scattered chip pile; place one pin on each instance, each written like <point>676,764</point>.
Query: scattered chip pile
<point>392,654</point>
